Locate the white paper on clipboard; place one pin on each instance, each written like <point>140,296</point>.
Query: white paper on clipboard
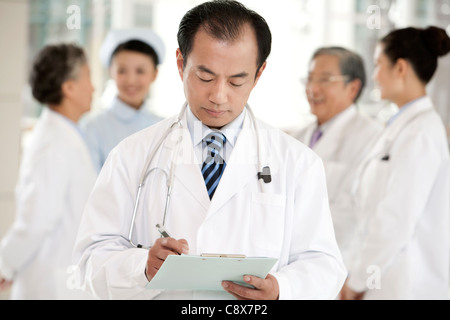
<point>185,272</point>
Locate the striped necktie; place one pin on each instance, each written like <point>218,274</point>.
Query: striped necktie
<point>214,165</point>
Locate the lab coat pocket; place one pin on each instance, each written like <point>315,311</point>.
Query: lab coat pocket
<point>267,225</point>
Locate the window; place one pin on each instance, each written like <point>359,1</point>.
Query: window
<point>298,26</point>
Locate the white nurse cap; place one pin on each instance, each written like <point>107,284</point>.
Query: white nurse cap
<point>117,37</point>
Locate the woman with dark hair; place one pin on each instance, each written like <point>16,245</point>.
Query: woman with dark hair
<point>404,185</point>
<point>132,56</point>
<point>55,180</point>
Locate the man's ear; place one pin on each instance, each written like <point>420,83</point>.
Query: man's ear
<point>180,63</point>
<point>259,73</point>
<point>354,87</point>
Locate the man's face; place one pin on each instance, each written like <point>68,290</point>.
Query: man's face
<point>219,76</point>
<point>326,90</point>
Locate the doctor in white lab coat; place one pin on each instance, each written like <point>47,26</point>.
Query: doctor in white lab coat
<point>404,184</point>
<point>341,135</point>
<point>287,219</point>
<point>56,177</point>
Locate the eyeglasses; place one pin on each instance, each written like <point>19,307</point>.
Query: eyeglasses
<point>324,81</point>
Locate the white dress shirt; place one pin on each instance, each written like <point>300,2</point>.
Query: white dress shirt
<point>199,131</point>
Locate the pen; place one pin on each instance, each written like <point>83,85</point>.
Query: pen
<point>163,231</point>
<point>165,234</point>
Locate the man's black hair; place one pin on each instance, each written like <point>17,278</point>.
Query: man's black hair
<point>224,20</point>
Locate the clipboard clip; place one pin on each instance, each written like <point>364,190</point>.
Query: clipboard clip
<point>221,255</point>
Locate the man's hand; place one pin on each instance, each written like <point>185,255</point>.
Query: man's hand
<point>4,284</point>
<point>160,251</point>
<point>265,289</point>
<point>349,294</point>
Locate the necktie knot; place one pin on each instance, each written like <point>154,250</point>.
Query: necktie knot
<point>215,142</point>
<point>216,139</point>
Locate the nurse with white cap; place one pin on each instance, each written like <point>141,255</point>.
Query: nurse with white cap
<point>132,56</point>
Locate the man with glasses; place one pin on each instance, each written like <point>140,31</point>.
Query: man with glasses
<point>341,135</point>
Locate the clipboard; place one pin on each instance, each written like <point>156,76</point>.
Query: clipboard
<point>206,272</point>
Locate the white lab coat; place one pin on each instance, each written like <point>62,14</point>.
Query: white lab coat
<point>404,194</point>
<point>289,221</point>
<point>346,141</point>
<point>55,180</point>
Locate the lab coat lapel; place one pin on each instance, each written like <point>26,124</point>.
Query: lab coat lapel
<point>70,131</point>
<point>187,169</point>
<point>381,146</point>
<point>307,134</point>
<point>403,120</point>
<point>327,147</point>
<point>241,167</point>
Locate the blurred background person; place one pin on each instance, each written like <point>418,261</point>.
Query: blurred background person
<point>55,180</point>
<point>340,135</point>
<point>404,184</point>
<point>133,57</point>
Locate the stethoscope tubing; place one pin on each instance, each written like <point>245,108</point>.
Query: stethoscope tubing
<point>169,178</point>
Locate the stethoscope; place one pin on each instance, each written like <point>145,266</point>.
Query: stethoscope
<point>265,175</point>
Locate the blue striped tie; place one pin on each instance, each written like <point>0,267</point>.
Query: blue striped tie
<point>214,165</point>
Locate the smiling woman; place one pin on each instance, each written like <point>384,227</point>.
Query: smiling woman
<point>134,69</point>
<point>133,57</point>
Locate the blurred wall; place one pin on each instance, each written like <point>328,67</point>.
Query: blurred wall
<point>13,44</point>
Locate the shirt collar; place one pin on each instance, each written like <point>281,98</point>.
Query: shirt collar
<point>347,112</point>
<point>124,111</point>
<point>198,130</point>
<point>403,109</point>
<point>70,122</point>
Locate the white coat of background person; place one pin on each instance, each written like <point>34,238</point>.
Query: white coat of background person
<point>56,177</point>
<point>132,57</point>
<point>341,134</point>
<point>404,184</point>
<point>220,61</point>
